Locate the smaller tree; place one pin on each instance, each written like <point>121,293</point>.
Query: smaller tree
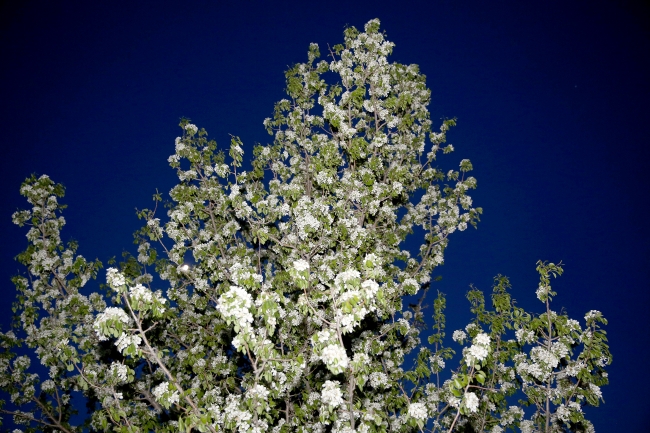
<point>552,364</point>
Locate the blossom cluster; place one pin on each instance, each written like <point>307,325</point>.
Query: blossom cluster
<point>165,395</point>
<point>478,351</point>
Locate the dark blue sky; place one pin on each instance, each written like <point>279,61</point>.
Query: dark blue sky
<point>552,106</point>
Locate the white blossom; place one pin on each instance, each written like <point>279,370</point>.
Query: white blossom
<point>596,390</point>
<point>418,411</point>
<point>259,392</point>
<point>335,358</point>
<point>125,341</point>
<point>140,293</point>
<point>478,351</point>
<point>459,336</point>
<point>470,401</point>
<point>120,371</point>
<point>163,394</point>
<point>115,278</point>
<point>331,394</point>
<point>235,305</point>
<point>592,315</point>
<point>378,380</point>
<point>109,315</point>
<point>301,265</point>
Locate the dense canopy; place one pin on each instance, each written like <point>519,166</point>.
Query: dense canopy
<point>284,286</point>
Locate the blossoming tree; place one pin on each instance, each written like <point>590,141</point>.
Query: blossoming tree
<point>290,317</point>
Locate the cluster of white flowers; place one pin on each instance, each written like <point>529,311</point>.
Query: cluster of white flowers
<point>524,336</point>
<point>563,413</point>
<point>191,129</point>
<point>115,278</point>
<point>545,357</point>
<point>411,285</point>
<point>542,292</point>
<point>471,402</point>
<point>178,146</point>
<point>335,358</point>
<point>513,414</point>
<point>111,314</point>
<point>234,413</point>
<point>331,394</point>
<point>527,426</point>
<point>143,252</point>
<point>356,313</point>
<point>259,392</point>
<point>164,395</point>
<point>305,220</point>
<point>42,259</point>
<point>140,293</point>
<point>573,369</point>
<point>125,341</point>
<point>525,369</point>
<point>120,371</point>
<point>459,336</point>
<point>574,325</point>
<point>243,275</point>
<point>235,305</point>
<point>595,389</point>
<point>347,278</point>
<point>437,362</point>
<point>378,379</point>
<point>479,350</point>
<point>370,289</point>
<point>301,265</point>
<point>324,178</point>
<point>418,411</point>
<point>48,385</point>
<point>593,314</point>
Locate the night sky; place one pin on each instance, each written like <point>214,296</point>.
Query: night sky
<point>551,99</point>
